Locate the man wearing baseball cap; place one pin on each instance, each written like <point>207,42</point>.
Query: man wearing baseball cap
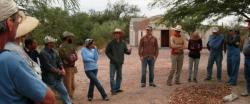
<point>215,45</point>
<point>18,84</point>
<point>148,52</point>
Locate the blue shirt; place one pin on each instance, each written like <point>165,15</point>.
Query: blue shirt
<point>215,43</point>
<point>18,84</point>
<point>89,57</point>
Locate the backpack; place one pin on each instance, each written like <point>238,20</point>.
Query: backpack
<point>215,42</point>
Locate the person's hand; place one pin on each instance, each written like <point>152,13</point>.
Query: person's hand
<point>62,72</point>
<point>141,58</point>
<point>130,50</point>
<point>155,58</point>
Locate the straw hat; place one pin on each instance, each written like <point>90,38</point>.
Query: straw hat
<point>177,28</point>
<point>67,34</point>
<point>8,8</point>
<point>27,25</point>
<point>49,39</point>
<point>117,30</point>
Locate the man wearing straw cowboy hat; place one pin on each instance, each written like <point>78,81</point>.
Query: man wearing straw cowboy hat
<point>148,52</point>
<point>52,69</point>
<point>177,45</point>
<point>115,51</point>
<point>18,83</point>
<point>23,29</point>
<point>68,55</point>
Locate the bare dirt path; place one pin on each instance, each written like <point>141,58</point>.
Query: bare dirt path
<point>133,93</point>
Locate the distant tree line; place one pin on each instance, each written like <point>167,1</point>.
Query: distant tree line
<point>93,24</point>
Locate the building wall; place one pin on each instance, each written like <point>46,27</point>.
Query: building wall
<point>204,35</point>
<point>137,30</point>
<point>157,34</point>
<point>132,38</point>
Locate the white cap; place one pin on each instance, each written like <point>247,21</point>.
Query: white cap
<point>67,34</point>
<point>88,41</point>
<point>8,8</point>
<point>49,39</point>
<point>117,30</point>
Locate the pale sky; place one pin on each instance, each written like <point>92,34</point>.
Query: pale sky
<point>99,5</point>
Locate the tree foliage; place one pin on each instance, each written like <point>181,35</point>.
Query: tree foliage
<point>193,12</point>
<point>33,4</point>
<point>95,24</point>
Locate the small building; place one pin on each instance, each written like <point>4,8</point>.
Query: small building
<point>137,30</point>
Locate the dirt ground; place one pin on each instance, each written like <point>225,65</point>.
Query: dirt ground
<point>133,93</point>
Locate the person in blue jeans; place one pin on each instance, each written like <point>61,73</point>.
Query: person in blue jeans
<point>215,46</point>
<point>90,57</point>
<point>115,51</point>
<point>246,51</point>
<point>233,56</point>
<point>52,69</point>
<point>148,52</point>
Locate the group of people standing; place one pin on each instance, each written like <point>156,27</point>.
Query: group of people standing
<point>28,76</point>
<point>148,52</point>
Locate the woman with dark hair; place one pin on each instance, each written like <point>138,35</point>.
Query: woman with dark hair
<point>90,57</point>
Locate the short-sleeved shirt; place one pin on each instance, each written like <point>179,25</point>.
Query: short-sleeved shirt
<point>18,84</point>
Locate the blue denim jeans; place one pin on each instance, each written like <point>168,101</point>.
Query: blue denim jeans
<point>193,64</point>
<point>57,84</point>
<point>94,82</point>
<point>148,61</point>
<point>233,64</point>
<point>214,56</point>
<point>247,72</point>
<point>115,77</point>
